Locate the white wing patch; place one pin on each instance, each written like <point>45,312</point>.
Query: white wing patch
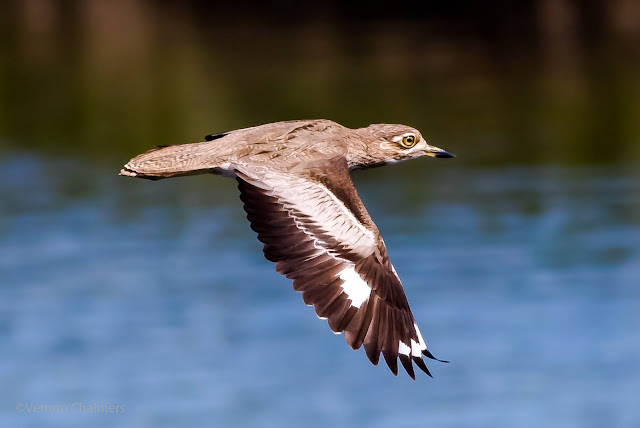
<point>403,348</point>
<point>415,349</point>
<point>355,288</point>
<point>423,345</point>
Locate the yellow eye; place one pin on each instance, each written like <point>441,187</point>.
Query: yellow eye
<point>408,141</point>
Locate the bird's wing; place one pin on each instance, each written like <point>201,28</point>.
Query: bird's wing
<point>317,231</point>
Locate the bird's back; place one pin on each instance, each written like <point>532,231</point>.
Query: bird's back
<point>280,145</point>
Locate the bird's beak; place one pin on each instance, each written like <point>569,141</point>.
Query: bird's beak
<point>437,152</point>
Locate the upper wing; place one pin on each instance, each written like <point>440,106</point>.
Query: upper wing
<point>320,235</point>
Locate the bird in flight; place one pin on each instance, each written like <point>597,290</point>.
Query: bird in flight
<point>294,182</point>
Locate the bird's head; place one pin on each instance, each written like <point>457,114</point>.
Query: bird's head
<point>385,144</point>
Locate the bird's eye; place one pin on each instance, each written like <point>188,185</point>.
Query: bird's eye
<point>408,141</point>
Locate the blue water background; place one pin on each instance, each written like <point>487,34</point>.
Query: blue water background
<point>155,296</point>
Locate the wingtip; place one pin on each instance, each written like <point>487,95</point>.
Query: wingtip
<point>392,362</point>
<point>421,364</point>
<point>428,354</point>
<point>373,355</point>
<point>406,363</point>
<point>212,137</point>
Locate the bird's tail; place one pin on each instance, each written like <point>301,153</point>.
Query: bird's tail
<point>174,161</point>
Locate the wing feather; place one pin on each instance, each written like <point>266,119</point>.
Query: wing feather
<point>332,250</point>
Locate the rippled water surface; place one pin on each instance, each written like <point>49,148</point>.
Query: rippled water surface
<point>155,296</point>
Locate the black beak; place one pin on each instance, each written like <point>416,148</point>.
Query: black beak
<point>437,152</point>
<point>444,154</point>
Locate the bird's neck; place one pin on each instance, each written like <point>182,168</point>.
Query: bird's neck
<point>361,151</point>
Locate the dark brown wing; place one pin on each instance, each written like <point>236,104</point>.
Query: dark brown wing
<point>317,231</point>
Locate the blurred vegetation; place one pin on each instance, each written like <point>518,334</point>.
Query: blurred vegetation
<point>549,81</point>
